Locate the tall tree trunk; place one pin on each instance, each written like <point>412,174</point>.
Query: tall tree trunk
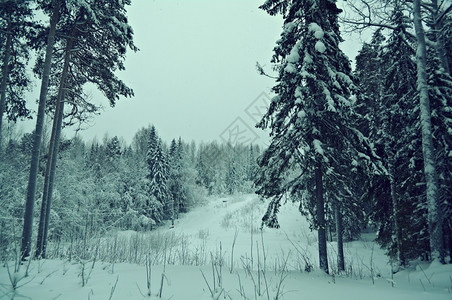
<point>340,240</point>
<point>5,75</point>
<point>320,205</point>
<point>52,159</point>
<point>31,189</point>
<point>395,210</point>
<point>430,169</point>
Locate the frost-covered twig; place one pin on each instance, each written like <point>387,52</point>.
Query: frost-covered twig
<point>420,280</point>
<point>308,266</point>
<point>164,270</point>
<point>217,262</point>
<point>47,276</point>
<point>208,285</point>
<point>241,290</point>
<point>232,250</point>
<point>428,279</point>
<point>113,288</point>
<point>282,277</point>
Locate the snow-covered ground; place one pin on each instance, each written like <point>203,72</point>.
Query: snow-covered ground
<point>218,252</point>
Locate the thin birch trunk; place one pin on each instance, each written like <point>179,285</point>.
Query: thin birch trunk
<point>430,169</point>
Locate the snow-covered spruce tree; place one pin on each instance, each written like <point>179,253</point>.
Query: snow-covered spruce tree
<point>310,115</point>
<point>369,77</point>
<point>180,180</point>
<point>373,185</point>
<point>232,178</point>
<point>435,14</point>
<point>186,177</point>
<point>385,72</point>
<point>251,164</point>
<point>399,136</point>
<point>175,180</point>
<point>158,168</point>
<point>368,74</point>
<point>15,25</point>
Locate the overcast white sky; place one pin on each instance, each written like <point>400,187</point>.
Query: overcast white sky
<point>195,73</point>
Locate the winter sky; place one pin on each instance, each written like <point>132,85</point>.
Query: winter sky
<point>195,74</point>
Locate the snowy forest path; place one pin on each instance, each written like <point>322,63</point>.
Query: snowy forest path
<point>217,221</point>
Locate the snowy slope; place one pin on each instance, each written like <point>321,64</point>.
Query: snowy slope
<point>279,269</point>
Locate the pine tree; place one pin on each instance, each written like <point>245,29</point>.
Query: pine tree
<point>54,11</point>
<point>16,27</point>
<point>94,38</point>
